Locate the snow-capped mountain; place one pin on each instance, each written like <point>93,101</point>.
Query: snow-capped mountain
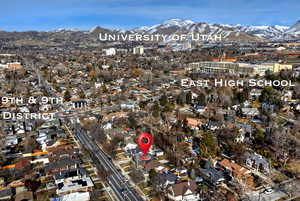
<point>268,32</point>
<point>295,29</point>
<point>177,26</point>
<point>173,22</point>
<point>163,26</point>
<point>256,33</point>
<point>66,30</point>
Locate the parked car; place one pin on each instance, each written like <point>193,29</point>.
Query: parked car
<point>268,191</point>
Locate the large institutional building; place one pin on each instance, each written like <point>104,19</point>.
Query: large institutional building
<point>236,68</point>
<point>138,50</point>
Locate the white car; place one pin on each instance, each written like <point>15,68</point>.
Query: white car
<point>268,191</point>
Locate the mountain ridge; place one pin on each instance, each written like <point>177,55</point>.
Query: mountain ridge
<point>269,32</point>
<point>231,32</point>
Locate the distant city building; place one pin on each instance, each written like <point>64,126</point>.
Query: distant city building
<point>180,46</point>
<point>98,84</point>
<point>138,50</point>
<point>279,67</point>
<point>3,66</point>
<point>122,51</point>
<point>14,66</point>
<point>77,103</point>
<point>224,59</point>
<point>290,45</point>
<point>104,66</point>
<point>237,68</point>
<point>7,55</point>
<point>110,51</point>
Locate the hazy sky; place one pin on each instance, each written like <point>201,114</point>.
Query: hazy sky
<point>22,15</point>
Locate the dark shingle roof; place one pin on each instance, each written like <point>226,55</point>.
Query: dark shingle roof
<point>69,173</point>
<point>6,192</point>
<point>62,163</point>
<point>167,177</point>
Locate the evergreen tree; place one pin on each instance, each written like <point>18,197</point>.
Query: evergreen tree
<point>67,96</point>
<point>82,95</point>
<point>208,145</point>
<point>163,100</point>
<point>156,110</point>
<point>189,98</point>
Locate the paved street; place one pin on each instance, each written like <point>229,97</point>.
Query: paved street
<point>255,196</point>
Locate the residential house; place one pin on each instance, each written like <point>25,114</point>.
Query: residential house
<point>158,152</point>
<point>130,146</point>
<point>62,151</point>
<point>6,194</point>
<point>23,164</point>
<point>212,175</point>
<point>238,172</point>
<point>258,162</point>
<point>77,196</point>
<point>24,109</point>
<point>184,191</point>
<point>63,164</point>
<point>245,130</point>
<point>74,180</point>
<point>11,141</point>
<point>250,112</point>
<point>154,164</point>
<point>107,126</point>
<point>214,125</point>
<point>255,93</point>
<point>180,172</point>
<point>246,104</point>
<point>287,95</point>
<point>24,195</point>
<point>51,123</point>
<point>193,123</point>
<point>166,179</point>
<point>268,107</point>
<point>297,106</point>
<point>45,108</point>
<point>114,132</point>
<point>199,108</point>
<point>128,106</point>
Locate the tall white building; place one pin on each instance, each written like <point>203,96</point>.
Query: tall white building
<point>138,50</point>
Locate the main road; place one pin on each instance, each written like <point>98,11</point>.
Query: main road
<point>118,183</point>
<point>122,189</point>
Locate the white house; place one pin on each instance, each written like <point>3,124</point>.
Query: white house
<point>98,84</point>
<point>45,108</point>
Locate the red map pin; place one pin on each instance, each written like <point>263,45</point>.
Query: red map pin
<point>144,141</point>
